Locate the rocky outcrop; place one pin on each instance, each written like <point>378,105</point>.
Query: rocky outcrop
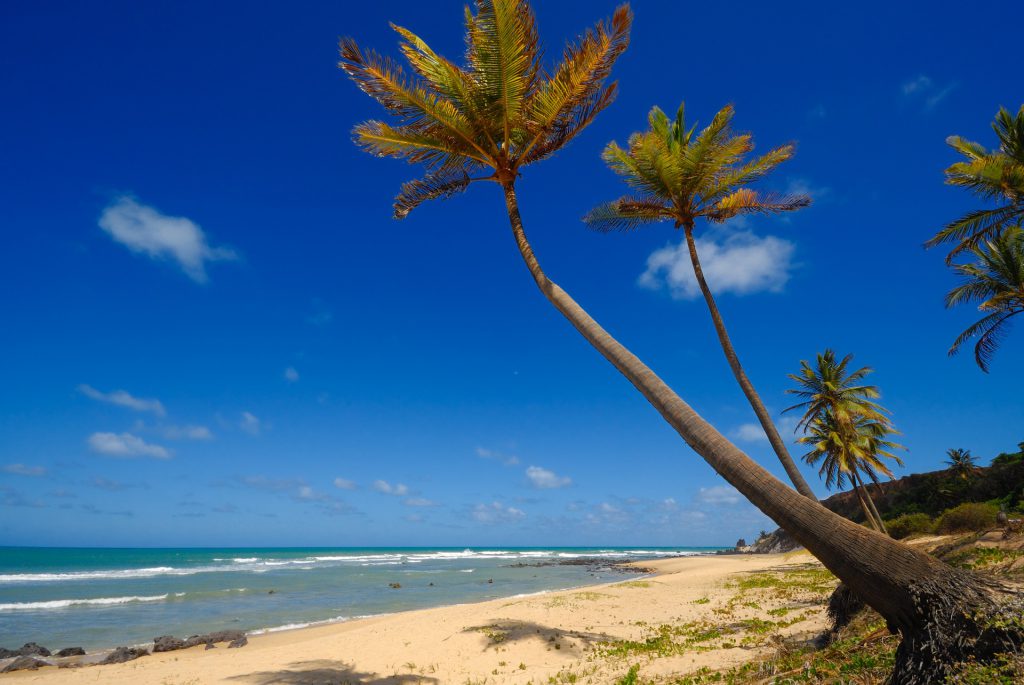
<point>71,651</point>
<point>167,643</point>
<point>32,649</point>
<point>240,642</point>
<point>774,543</point>
<point>211,638</point>
<point>123,654</point>
<point>24,663</point>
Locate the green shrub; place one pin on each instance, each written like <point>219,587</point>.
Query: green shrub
<point>909,524</point>
<point>967,517</point>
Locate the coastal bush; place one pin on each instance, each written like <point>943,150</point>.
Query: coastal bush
<point>909,524</point>
<point>968,516</point>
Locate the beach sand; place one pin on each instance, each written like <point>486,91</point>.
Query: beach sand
<point>570,636</point>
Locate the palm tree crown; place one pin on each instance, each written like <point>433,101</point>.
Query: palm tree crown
<point>846,454</point>
<point>996,282</point>
<point>827,388</point>
<point>961,462</point>
<point>993,175</point>
<point>501,111</point>
<point>680,174</point>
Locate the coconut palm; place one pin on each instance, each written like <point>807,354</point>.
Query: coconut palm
<point>961,463</point>
<point>504,110</point>
<point>829,387</point>
<point>996,282</point>
<point>993,175</point>
<point>681,175</point>
<point>845,455</point>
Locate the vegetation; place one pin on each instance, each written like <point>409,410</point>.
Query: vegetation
<point>967,517</point>
<point>910,524</point>
<point>680,175</point>
<point>503,111</point>
<point>996,282</point>
<point>961,463</point>
<point>845,428</point>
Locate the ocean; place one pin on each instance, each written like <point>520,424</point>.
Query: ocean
<point>101,598</point>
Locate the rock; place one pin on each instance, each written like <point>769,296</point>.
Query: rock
<point>167,643</point>
<point>490,580</point>
<point>1002,519</point>
<point>742,542</point>
<point>395,586</point>
<point>775,543</point>
<point>210,638</point>
<point>71,651</point>
<point>31,649</point>
<point>123,654</point>
<point>8,653</point>
<point>240,642</point>
<point>24,663</point>
<point>272,592</point>
<point>210,645</point>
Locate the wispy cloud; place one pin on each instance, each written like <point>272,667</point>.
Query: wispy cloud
<point>126,446</point>
<point>924,88</point>
<point>298,490</point>
<point>344,484</point>
<point>719,494</point>
<point>24,470</point>
<point>321,314</point>
<point>109,485</point>
<point>749,432</point>
<point>917,85</point>
<point>544,479</point>
<point>492,455</point>
<point>419,502</point>
<point>144,230</point>
<point>386,488</point>
<point>740,263</point>
<point>496,513</point>
<point>187,433</point>
<point>123,398</point>
<point>291,375</point>
<point>250,424</point>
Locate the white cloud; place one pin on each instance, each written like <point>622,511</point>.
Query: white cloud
<point>187,433</point>
<point>750,432</point>
<point>24,470</point>
<point>544,479</point>
<point>291,375</point>
<point>123,398</point>
<point>740,263</point>
<point>495,513</point>
<point>933,94</point>
<point>506,459</point>
<point>419,502</point>
<point>916,85</point>
<point>143,229</point>
<point>386,488</point>
<point>344,484</point>
<point>719,494</point>
<point>250,424</point>
<point>606,508</point>
<point>126,445</point>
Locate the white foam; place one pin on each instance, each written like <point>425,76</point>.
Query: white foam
<point>64,603</point>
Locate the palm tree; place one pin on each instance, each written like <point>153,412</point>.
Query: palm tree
<point>828,387</point>
<point>993,175</point>
<point>961,463</point>
<point>680,175</point>
<point>844,456</point>
<point>996,281</point>
<point>504,110</point>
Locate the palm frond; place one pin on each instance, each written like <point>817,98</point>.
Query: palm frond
<point>747,201</point>
<point>435,186</point>
<point>626,214</point>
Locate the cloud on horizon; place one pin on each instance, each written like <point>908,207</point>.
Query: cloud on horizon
<point>543,479</point>
<point>493,455</point>
<point>144,230</point>
<point>386,488</point>
<point>122,398</point>
<point>24,470</point>
<point>738,262</point>
<point>496,513</point>
<point>125,446</point>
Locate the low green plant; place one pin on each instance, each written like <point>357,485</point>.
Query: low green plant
<point>969,516</point>
<point>910,524</point>
<point>631,678</point>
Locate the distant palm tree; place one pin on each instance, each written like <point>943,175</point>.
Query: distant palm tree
<point>996,281</point>
<point>992,175</point>
<point>961,463</point>
<point>681,175</point>
<point>845,455</point>
<point>829,387</point>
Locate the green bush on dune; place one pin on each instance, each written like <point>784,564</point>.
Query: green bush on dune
<point>910,524</point>
<point>969,516</point>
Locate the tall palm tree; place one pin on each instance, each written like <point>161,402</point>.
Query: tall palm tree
<point>829,387</point>
<point>961,463</point>
<point>503,110</point>
<point>996,282</point>
<point>993,175</point>
<point>681,175</point>
<point>844,456</point>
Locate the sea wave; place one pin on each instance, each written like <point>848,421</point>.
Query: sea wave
<point>65,603</point>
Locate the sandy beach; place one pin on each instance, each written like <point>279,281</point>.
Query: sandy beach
<point>705,611</point>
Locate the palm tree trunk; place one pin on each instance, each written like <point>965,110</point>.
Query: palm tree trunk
<point>868,516</point>
<point>871,504</point>
<point>921,597</point>
<point>741,376</point>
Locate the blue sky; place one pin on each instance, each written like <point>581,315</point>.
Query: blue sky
<point>214,333</point>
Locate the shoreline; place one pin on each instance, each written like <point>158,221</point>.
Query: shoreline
<point>548,632</point>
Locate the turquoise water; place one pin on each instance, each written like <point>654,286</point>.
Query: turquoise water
<point>98,598</point>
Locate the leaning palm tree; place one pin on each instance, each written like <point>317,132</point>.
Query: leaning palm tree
<point>996,282</point>
<point>504,110</point>
<point>828,386</point>
<point>681,175</point>
<point>992,175</point>
<point>961,463</point>
<point>846,455</point>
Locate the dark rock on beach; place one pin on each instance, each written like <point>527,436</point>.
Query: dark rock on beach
<point>123,654</point>
<point>210,645</point>
<point>211,638</point>
<point>71,651</point>
<point>240,642</point>
<point>32,649</point>
<point>24,663</point>
<point>8,653</point>
<point>167,643</point>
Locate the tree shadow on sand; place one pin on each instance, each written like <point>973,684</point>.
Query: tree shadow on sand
<point>326,672</point>
<point>504,632</point>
